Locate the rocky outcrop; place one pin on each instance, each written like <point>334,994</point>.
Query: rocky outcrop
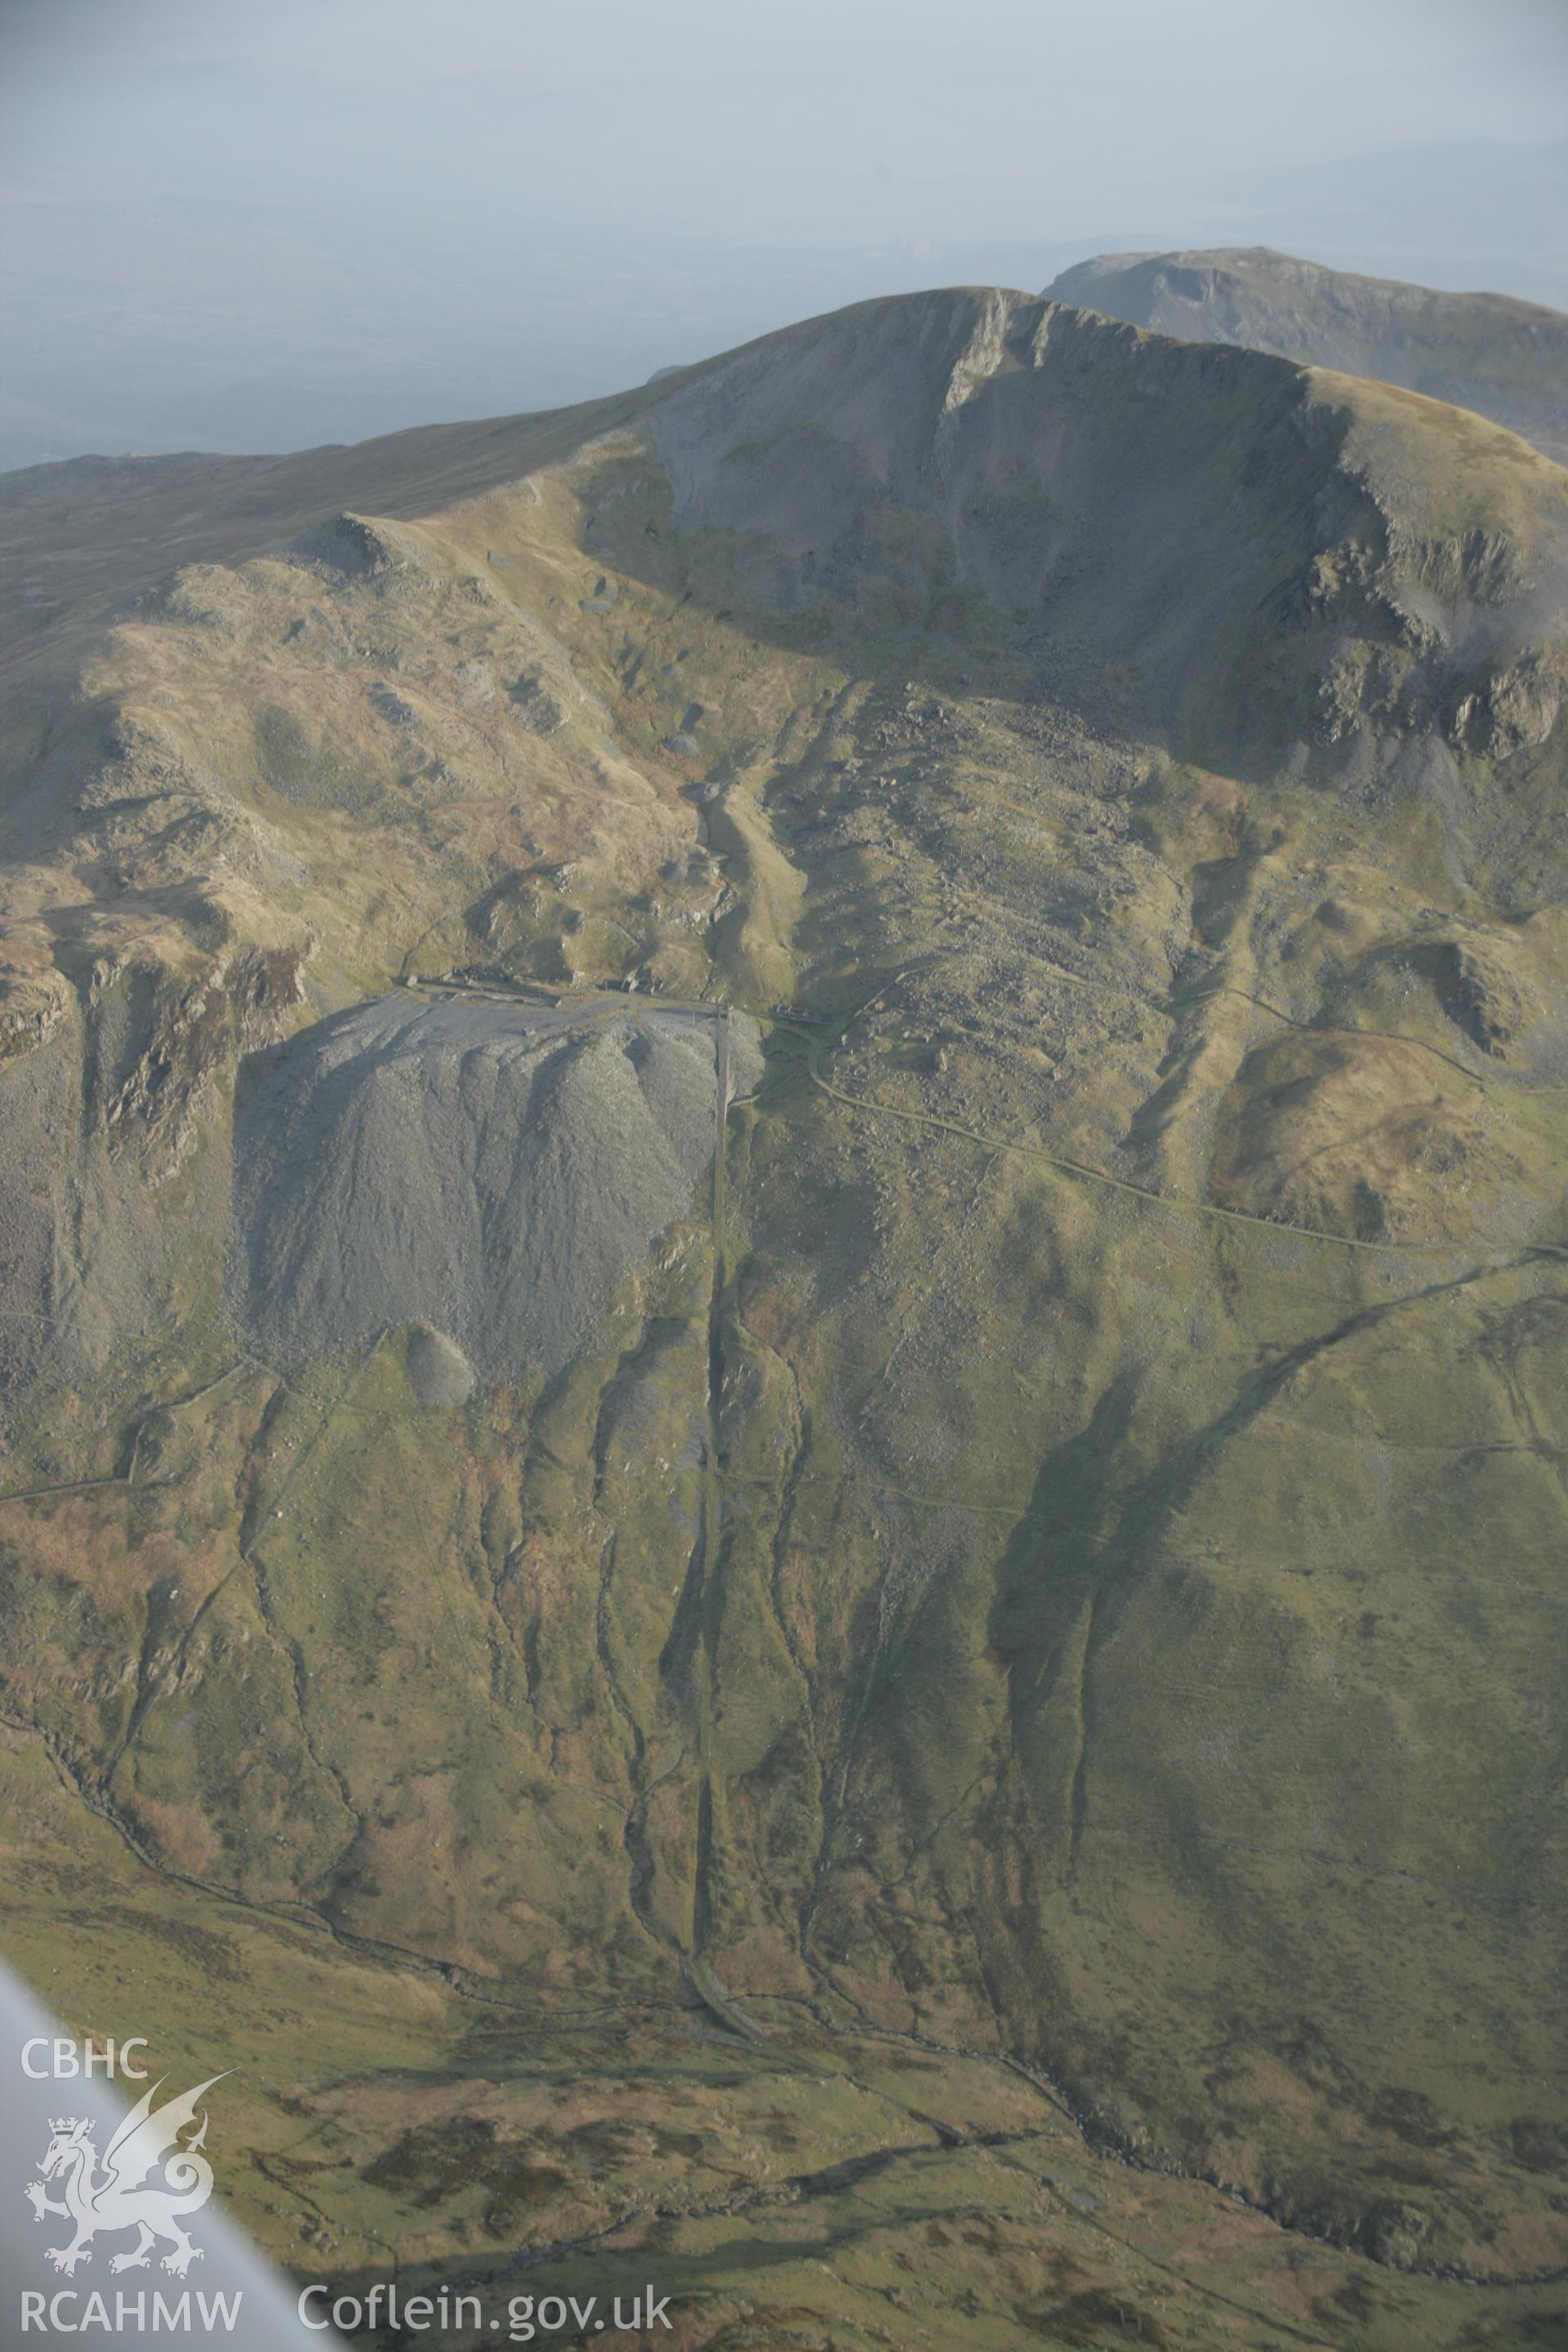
<point>1337,597</point>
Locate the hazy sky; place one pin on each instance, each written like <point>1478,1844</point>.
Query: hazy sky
<point>258,222</point>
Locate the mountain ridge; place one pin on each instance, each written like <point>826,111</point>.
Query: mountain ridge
<point>999,1561</point>
<point>1496,354</point>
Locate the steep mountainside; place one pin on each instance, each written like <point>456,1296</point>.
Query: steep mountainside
<point>784,1334</point>
<point>1506,359</point>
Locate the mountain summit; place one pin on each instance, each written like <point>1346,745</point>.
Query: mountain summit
<point>781,1257</point>
<point>1505,358</point>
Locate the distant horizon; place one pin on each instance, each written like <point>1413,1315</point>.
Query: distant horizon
<point>250,231</point>
<point>483,414</point>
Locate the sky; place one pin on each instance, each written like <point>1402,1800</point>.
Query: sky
<point>262,223</point>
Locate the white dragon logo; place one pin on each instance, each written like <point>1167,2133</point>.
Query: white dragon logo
<point>122,2197</point>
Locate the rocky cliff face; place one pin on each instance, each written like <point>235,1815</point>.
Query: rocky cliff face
<point>1504,358</point>
<point>784,1243</point>
<point>1129,502</point>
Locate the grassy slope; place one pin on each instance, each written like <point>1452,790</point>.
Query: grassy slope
<point>1057,1566</point>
